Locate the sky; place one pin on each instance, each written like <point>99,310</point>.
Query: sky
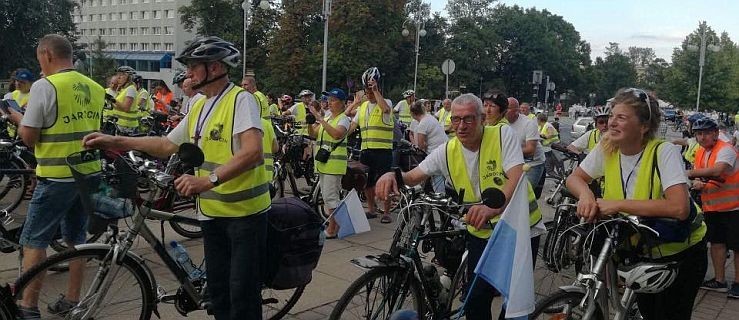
<point>661,25</point>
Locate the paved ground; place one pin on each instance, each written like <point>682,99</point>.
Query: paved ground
<point>335,273</point>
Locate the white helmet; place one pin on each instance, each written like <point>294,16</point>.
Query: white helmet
<point>371,73</point>
<point>408,93</point>
<point>602,111</point>
<point>646,277</point>
<point>305,92</point>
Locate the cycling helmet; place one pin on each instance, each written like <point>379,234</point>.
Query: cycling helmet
<point>127,70</point>
<point>695,116</point>
<point>371,73</point>
<point>602,111</point>
<point>408,93</point>
<point>286,98</point>
<point>137,79</point>
<point>207,49</point>
<point>179,77</point>
<point>704,123</point>
<point>648,277</point>
<point>305,92</point>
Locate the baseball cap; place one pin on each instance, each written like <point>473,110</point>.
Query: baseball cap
<point>24,75</point>
<point>336,93</point>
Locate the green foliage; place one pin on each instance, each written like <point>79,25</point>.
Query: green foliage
<point>102,65</point>
<point>24,22</point>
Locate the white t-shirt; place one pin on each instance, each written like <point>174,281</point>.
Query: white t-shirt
<point>581,143</point>
<point>526,129</point>
<point>401,106</point>
<point>190,101</point>
<point>343,122</point>
<point>725,155</point>
<point>669,162</point>
<point>549,130</point>
<point>432,129</point>
<point>435,163</point>
<point>8,96</point>
<point>724,136</point>
<point>371,106</point>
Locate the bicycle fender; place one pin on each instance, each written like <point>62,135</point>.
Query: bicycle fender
<point>577,289</point>
<point>374,262</point>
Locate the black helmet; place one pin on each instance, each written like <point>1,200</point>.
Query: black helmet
<point>208,49</point>
<point>179,77</point>
<point>137,79</point>
<point>704,123</point>
<point>127,70</point>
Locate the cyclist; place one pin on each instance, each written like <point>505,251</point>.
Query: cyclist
<point>526,111</point>
<point>402,109</point>
<point>49,126</point>
<point>644,177</point>
<point>249,83</point>
<point>163,98</point>
<point>478,158</point>
<point>190,95</point>
<point>232,184</point>
<point>124,108</point>
<point>375,120</point>
<point>589,139</point>
<point>428,134</point>
<point>300,109</point>
<point>23,80</point>
<point>274,109</point>
<point>528,135</point>
<point>548,135</point>
<point>495,106</point>
<point>330,133</point>
<point>720,200</point>
<point>444,115</point>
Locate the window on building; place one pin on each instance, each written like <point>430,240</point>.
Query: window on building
<point>101,31</point>
<point>157,30</point>
<point>134,46</point>
<point>145,46</point>
<point>144,15</point>
<point>169,14</point>
<point>132,16</point>
<point>169,47</point>
<point>121,31</point>
<point>121,46</point>
<point>111,31</point>
<point>92,18</point>
<point>132,31</point>
<point>167,30</point>
<point>114,16</point>
<point>94,3</point>
<point>144,30</point>
<point>156,46</point>
<point>157,14</point>
<point>93,32</point>
<point>105,3</point>
<point>103,17</point>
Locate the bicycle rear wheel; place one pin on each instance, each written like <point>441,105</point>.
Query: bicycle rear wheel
<point>377,294</point>
<point>12,185</point>
<point>131,293</point>
<point>563,305</point>
<point>277,303</point>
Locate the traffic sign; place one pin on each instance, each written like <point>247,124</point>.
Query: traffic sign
<point>448,67</point>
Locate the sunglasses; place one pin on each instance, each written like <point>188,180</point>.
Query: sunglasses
<point>465,119</point>
<point>644,97</point>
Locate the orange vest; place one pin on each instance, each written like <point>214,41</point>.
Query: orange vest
<point>163,101</point>
<point>718,197</point>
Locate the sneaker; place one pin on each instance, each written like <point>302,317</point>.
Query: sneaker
<point>734,292</point>
<point>61,306</point>
<point>28,313</point>
<point>714,285</point>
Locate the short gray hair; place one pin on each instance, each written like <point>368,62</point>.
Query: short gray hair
<point>469,99</point>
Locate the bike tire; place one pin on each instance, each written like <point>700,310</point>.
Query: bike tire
<point>183,229</point>
<point>563,305</point>
<point>289,299</point>
<point>131,285</point>
<point>12,186</point>
<point>458,289</point>
<point>8,309</point>
<point>345,306</point>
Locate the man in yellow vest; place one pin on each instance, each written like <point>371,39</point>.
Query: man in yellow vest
<point>526,111</point>
<point>374,117</point>
<point>300,109</point>
<point>549,135</point>
<point>403,108</point>
<point>55,124</point>
<point>720,200</point>
<point>445,117</point>
<point>232,184</point>
<point>249,83</point>
<point>478,158</point>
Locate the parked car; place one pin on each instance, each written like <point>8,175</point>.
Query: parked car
<point>669,114</point>
<point>580,126</point>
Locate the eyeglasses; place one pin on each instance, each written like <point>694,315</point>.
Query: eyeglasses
<point>466,119</point>
<point>641,94</point>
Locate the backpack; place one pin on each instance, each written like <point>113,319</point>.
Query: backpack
<point>294,243</point>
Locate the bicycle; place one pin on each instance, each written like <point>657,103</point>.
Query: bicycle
<point>400,277</point>
<point>289,164</point>
<point>15,174</point>
<point>122,285</point>
<point>597,288</point>
<point>573,161</point>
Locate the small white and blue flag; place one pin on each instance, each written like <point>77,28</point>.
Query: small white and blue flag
<point>349,214</point>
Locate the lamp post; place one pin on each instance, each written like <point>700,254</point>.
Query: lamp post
<point>420,32</point>
<point>326,14</point>
<point>246,5</point>
<point>701,61</point>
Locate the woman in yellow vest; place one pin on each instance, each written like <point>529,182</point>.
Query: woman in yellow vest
<point>23,79</point>
<point>125,108</point>
<point>644,176</point>
<point>495,105</point>
<point>331,157</point>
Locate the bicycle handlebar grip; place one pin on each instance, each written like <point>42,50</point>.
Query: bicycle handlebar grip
<point>399,177</point>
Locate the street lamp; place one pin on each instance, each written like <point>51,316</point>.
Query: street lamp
<point>326,14</point>
<point>420,32</point>
<point>701,61</point>
<point>246,5</point>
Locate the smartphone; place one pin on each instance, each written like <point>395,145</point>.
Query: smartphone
<point>10,104</point>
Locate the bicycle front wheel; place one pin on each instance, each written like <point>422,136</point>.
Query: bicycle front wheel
<point>563,305</point>
<point>12,185</point>
<point>277,303</point>
<point>130,294</point>
<point>377,294</point>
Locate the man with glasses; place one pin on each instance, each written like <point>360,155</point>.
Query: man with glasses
<point>589,139</point>
<point>477,158</point>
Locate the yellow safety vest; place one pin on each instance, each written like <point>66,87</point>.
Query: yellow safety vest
<point>648,186</point>
<point>337,161</point>
<point>404,112</point>
<point>531,116</point>
<point>263,104</point>
<point>78,113</point>
<point>22,100</point>
<point>445,118</point>
<point>268,137</point>
<point>128,119</point>
<point>300,112</point>
<point>543,131</point>
<point>491,175</point>
<point>689,153</point>
<point>736,120</point>
<point>593,139</point>
<point>376,134</point>
<point>245,194</point>
<point>274,110</point>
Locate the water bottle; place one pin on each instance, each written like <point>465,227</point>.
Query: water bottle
<point>432,275</point>
<point>180,255</point>
<point>446,284</point>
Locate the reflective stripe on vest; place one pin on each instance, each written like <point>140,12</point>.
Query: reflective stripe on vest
<point>544,132</point>
<point>337,161</point>
<point>245,194</point>
<point>268,137</point>
<point>79,102</point>
<point>718,197</point>
<point>648,185</point>
<point>404,112</point>
<point>593,139</point>
<point>128,119</point>
<point>376,134</point>
<point>491,175</point>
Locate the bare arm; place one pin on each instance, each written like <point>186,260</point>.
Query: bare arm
<point>718,169</point>
<point>159,147</point>
<point>676,205</point>
<point>421,141</point>
<point>29,135</point>
<point>529,148</point>
<point>387,185</point>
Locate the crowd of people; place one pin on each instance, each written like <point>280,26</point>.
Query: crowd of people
<point>472,143</point>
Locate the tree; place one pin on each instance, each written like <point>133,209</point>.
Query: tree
<point>102,65</point>
<point>612,73</point>
<point>22,23</point>
<point>474,10</point>
<point>641,57</point>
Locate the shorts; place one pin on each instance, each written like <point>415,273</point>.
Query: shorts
<point>379,162</point>
<point>723,228</point>
<point>54,204</point>
<point>330,189</point>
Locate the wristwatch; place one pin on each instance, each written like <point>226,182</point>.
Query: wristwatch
<point>213,178</point>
